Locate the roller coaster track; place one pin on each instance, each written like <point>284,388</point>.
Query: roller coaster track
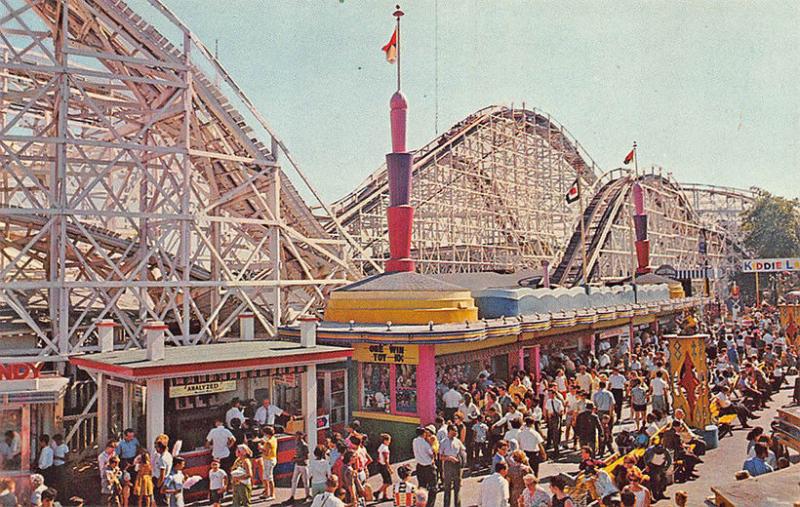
<point>602,210</point>
<point>469,184</point>
<point>670,206</point>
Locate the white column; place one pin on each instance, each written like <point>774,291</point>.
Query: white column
<point>155,410</point>
<point>308,331</point>
<point>247,326</point>
<point>105,335</point>
<point>155,340</point>
<point>309,404</point>
<point>102,410</point>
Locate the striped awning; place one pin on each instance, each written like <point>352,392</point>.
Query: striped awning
<point>237,375</point>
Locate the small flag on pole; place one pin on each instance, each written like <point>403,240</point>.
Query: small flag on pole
<point>629,157</point>
<point>573,194</point>
<point>391,48</point>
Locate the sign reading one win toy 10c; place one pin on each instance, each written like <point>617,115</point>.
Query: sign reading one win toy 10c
<point>391,354</point>
<point>770,265</point>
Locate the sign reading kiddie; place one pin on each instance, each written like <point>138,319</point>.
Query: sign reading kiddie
<point>770,265</point>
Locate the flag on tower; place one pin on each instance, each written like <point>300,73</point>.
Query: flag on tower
<point>629,157</point>
<point>573,194</point>
<point>391,48</point>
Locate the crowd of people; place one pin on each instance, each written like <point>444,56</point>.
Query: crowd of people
<point>600,405</point>
<point>509,428</point>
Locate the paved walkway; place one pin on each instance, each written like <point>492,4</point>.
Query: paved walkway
<point>719,465</point>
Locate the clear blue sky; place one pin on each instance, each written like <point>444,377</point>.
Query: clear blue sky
<point>710,90</point>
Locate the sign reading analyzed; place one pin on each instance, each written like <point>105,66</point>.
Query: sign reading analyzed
<point>770,265</point>
<point>204,388</point>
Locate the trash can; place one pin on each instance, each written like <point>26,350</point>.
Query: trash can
<point>711,436</point>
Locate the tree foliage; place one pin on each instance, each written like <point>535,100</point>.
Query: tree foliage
<point>772,227</point>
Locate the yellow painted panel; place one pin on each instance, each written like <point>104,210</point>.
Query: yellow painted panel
<point>387,354</point>
<point>382,416</point>
<point>438,316</point>
<point>453,348</point>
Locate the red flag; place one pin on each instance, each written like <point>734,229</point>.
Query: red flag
<point>628,157</point>
<point>391,48</point>
<point>573,194</point>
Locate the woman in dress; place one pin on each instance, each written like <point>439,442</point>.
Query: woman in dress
<point>517,470</point>
<point>533,495</point>
<point>641,493</point>
<point>144,480</point>
<point>242,476</point>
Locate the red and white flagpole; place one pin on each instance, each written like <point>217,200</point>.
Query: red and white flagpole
<point>398,14</point>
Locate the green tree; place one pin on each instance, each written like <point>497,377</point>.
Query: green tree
<point>772,227</point>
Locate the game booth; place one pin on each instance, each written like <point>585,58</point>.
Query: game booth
<point>31,404</point>
<point>180,391</point>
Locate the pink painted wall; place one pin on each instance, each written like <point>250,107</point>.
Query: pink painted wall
<point>426,384</point>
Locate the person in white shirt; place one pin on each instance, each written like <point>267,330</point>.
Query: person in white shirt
<point>513,414</point>
<point>162,465</point>
<point>553,411</point>
<point>494,489</point>
<point>46,455</point>
<point>658,387</point>
<point>37,487</point>
<point>267,413</point>
<point>217,483</point>
<point>220,440</point>
<point>235,412</point>
<point>584,380</point>
<point>452,399</point>
<point>616,382</point>
<point>531,443</point>
<point>469,409</point>
<point>328,498</point>
<point>512,435</point>
<point>423,455</point>
<point>319,470</point>
<point>102,458</point>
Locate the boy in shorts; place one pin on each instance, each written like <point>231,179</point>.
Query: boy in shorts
<point>384,466</point>
<point>217,483</point>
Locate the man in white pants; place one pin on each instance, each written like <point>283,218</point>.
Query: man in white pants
<point>300,465</point>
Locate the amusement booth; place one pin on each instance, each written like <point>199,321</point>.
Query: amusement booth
<point>179,391</point>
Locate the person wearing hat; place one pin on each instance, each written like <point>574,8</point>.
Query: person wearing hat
<point>424,456</point>
<point>300,465</point>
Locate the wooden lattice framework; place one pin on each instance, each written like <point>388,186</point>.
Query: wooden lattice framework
<point>489,195</point>
<point>139,183</point>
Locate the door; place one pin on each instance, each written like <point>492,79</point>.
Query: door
<point>116,404</point>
